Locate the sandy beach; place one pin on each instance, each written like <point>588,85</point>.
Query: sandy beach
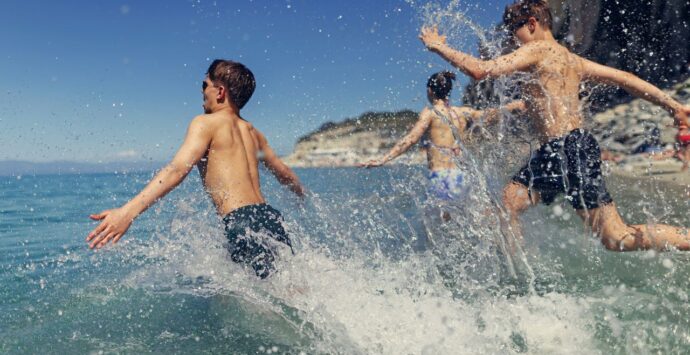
<point>666,171</point>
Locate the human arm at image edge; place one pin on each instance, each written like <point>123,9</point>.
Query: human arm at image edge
<point>492,114</point>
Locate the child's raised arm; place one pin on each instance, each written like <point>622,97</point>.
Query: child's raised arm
<point>519,60</point>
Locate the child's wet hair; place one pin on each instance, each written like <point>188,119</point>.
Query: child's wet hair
<point>441,84</point>
<point>237,79</point>
<point>517,14</point>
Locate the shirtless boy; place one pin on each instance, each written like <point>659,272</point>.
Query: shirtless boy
<point>568,160</point>
<point>226,150</point>
<point>446,177</point>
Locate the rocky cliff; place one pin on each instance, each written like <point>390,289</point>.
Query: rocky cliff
<point>647,37</point>
<point>650,38</point>
<point>355,140</point>
<point>638,126</point>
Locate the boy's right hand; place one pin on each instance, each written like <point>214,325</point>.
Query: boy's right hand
<point>431,38</point>
<point>681,116</point>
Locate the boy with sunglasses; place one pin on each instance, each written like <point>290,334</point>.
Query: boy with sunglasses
<point>569,159</point>
<point>226,149</point>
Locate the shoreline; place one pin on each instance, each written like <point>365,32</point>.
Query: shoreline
<point>665,171</point>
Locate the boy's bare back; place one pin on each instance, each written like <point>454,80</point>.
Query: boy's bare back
<point>229,168</point>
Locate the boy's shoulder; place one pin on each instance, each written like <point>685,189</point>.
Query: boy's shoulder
<point>246,124</point>
<point>541,46</point>
<point>463,109</point>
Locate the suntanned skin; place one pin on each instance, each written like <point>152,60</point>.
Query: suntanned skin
<point>258,150</point>
<point>443,150</point>
<point>225,148</point>
<point>551,99</point>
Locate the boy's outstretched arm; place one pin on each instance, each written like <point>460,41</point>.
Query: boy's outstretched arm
<point>493,114</point>
<point>519,60</point>
<point>412,137</point>
<point>282,172</point>
<point>115,223</point>
<point>637,87</point>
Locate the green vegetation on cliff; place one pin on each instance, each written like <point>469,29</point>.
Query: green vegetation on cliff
<point>387,123</point>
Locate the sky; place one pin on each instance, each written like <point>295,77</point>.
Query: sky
<point>101,81</point>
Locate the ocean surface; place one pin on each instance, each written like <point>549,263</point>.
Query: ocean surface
<point>376,271</point>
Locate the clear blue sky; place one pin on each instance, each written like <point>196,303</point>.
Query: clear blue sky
<point>110,80</point>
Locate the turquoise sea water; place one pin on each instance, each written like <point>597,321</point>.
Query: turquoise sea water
<point>375,272</point>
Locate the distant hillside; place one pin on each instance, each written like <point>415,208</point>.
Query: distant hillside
<point>354,140</point>
<point>393,123</point>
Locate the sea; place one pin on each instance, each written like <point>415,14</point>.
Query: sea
<point>380,265</point>
<point>376,270</point>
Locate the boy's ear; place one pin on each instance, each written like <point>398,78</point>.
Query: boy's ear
<point>221,93</point>
<point>532,24</point>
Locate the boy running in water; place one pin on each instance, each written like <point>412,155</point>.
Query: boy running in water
<point>569,159</point>
<point>226,149</point>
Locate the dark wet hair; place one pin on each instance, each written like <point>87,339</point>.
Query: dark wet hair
<point>237,79</point>
<point>517,14</point>
<point>441,84</point>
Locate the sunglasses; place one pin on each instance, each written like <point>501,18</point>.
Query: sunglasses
<point>516,26</point>
<point>204,85</point>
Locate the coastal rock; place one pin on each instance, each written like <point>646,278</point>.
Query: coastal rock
<point>356,140</point>
<point>625,128</point>
<point>648,38</point>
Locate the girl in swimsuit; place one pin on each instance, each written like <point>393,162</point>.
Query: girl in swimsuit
<point>445,125</point>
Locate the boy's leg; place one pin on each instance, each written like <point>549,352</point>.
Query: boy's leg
<point>616,235</point>
<point>684,156</point>
<point>516,200</point>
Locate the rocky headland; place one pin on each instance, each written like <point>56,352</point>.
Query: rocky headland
<point>632,133</point>
<point>355,140</point>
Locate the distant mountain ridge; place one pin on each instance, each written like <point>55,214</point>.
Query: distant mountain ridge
<point>20,167</point>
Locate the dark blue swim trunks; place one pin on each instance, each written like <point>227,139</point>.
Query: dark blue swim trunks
<point>571,165</point>
<point>252,233</point>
